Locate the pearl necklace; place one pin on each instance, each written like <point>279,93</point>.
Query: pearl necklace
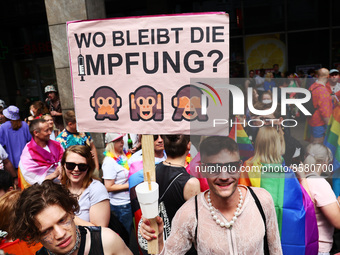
<point>237,212</point>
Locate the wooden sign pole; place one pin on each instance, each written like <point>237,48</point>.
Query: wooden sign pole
<point>149,172</point>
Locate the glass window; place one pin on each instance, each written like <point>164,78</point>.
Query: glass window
<point>263,16</point>
<point>303,14</point>
<point>306,48</point>
<point>336,48</point>
<point>126,8</point>
<point>233,8</point>
<point>236,58</point>
<point>335,12</point>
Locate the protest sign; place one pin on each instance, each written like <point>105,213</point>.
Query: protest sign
<point>132,74</point>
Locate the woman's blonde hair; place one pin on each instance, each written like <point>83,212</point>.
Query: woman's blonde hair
<point>317,154</point>
<point>110,147</point>
<point>269,145</point>
<point>7,207</point>
<point>268,76</point>
<point>84,151</point>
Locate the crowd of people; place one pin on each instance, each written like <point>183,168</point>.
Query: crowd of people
<point>53,199</point>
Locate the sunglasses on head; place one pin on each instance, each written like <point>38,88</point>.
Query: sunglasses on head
<point>215,169</point>
<point>81,167</point>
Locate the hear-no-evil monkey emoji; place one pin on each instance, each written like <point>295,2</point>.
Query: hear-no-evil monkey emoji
<point>146,104</point>
<point>188,104</point>
<point>105,103</point>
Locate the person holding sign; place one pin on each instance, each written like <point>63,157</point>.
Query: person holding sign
<point>175,185</point>
<point>227,219</point>
<point>115,175</point>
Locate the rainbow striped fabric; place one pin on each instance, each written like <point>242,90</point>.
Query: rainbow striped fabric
<point>332,141</point>
<point>241,138</point>
<point>136,177</point>
<point>294,208</point>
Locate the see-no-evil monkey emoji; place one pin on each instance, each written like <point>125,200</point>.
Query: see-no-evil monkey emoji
<point>105,103</point>
<point>188,104</point>
<point>146,104</point>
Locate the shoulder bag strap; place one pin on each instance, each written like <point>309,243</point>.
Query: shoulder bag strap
<point>196,209</point>
<point>160,199</point>
<point>259,206</point>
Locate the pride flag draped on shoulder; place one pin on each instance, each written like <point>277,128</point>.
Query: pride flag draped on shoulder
<point>332,141</point>
<point>294,208</point>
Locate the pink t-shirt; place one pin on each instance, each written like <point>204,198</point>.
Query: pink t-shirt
<point>322,195</point>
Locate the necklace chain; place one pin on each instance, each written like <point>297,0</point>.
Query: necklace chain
<point>221,223</point>
<point>172,164</point>
<point>77,194</point>
<point>76,245</point>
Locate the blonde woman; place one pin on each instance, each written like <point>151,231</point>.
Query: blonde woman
<point>293,206</point>
<point>77,176</point>
<point>327,209</point>
<point>269,146</point>
<point>54,131</point>
<point>115,175</point>
<point>269,84</point>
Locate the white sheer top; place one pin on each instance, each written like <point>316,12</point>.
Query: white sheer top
<point>245,237</point>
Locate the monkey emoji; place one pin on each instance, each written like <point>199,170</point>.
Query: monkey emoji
<point>146,104</point>
<point>187,104</point>
<point>105,103</point>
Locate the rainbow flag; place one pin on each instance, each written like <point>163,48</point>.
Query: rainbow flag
<point>241,138</point>
<point>22,183</point>
<point>136,177</point>
<point>332,141</point>
<point>294,208</point>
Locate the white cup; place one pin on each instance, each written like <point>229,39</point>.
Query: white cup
<point>148,199</point>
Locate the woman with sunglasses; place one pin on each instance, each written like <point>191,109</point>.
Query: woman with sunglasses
<point>77,175</point>
<point>115,175</point>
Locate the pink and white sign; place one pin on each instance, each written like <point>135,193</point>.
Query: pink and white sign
<point>134,74</point>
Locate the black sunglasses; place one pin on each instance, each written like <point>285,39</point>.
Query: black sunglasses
<point>81,167</point>
<point>155,137</point>
<point>214,169</point>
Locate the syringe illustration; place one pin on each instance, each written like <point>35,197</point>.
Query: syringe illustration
<point>81,67</point>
